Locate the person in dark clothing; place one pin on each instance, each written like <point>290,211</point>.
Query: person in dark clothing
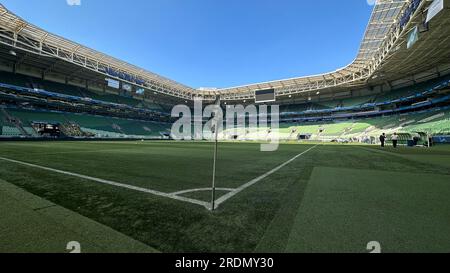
<point>383,139</point>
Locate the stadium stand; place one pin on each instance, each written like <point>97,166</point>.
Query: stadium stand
<point>355,102</point>
<point>75,124</point>
<point>395,101</point>
<point>355,117</point>
<point>434,122</point>
<point>344,104</point>
<point>60,88</point>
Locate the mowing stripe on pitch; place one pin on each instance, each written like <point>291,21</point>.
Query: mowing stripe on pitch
<point>112,183</point>
<point>229,195</point>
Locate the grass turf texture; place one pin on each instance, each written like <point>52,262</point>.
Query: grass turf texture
<point>30,224</point>
<point>271,216</point>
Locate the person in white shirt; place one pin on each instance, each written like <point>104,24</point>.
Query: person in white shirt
<point>395,140</point>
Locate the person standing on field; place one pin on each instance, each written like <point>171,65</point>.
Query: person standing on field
<point>395,140</point>
<point>383,139</point>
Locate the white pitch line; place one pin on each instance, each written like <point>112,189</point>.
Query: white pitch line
<point>202,189</point>
<point>227,196</point>
<point>112,183</point>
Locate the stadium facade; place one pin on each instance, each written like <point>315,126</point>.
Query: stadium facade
<point>399,82</point>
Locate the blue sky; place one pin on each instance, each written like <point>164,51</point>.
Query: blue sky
<point>211,43</point>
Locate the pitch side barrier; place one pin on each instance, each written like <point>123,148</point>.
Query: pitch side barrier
<point>443,139</point>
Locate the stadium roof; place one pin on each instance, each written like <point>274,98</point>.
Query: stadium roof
<point>383,19</point>
<point>31,38</point>
<point>383,35</point>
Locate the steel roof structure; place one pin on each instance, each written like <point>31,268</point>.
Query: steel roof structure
<point>383,40</point>
<point>384,17</point>
<point>16,32</point>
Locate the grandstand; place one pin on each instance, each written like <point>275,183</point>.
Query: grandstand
<point>115,123</point>
<point>97,126</point>
<point>367,91</point>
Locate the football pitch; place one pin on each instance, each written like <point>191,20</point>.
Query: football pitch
<point>301,198</point>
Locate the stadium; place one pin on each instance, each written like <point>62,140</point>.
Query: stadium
<point>89,160</point>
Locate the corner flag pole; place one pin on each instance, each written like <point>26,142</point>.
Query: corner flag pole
<point>216,121</point>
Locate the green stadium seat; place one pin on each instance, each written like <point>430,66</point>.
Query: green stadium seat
<point>98,125</point>
<point>31,82</point>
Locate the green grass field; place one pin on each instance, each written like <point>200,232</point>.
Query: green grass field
<point>332,198</point>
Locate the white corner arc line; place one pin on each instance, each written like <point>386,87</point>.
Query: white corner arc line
<point>112,183</point>
<point>202,189</point>
<point>229,195</point>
